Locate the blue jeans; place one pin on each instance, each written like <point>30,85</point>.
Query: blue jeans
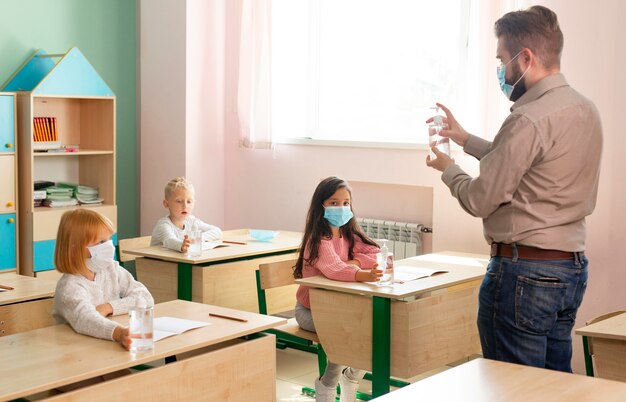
<point>527,309</point>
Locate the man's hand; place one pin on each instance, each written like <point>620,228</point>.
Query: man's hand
<point>454,131</point>
<point>442,161</point>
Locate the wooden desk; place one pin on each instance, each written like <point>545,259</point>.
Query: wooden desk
<point>232,369</point>
<point>482,380</point>
<point>608,344</point>
<point>412,327</point>
<point>224,276</point>
<point>28,306</point>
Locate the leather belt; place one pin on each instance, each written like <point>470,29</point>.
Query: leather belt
<point>530,253</point>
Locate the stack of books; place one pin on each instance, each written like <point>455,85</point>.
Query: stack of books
<point>38,197</point>
<point>59,197</point>
<point>88,195</point>
<point>40,191</point>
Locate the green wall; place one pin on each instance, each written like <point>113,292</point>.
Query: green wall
<point>105,31</point>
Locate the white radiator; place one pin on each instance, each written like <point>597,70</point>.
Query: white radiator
<point>404,239</point>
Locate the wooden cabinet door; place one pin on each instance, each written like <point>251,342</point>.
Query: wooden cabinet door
<point>7,183</point>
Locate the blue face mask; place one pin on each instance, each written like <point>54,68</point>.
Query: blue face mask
<point>338,216</point>
<point>507,89</point>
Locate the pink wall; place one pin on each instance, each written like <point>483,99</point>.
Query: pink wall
<point>162,100</point>
<point>182,104</point>
<point>205,107</point>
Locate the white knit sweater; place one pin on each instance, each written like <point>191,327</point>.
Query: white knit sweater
<point>166,233</point>
<point>76,298</point>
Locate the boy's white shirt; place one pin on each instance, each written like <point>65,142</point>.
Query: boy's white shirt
<point>76,298</point>
<point>166,233</point>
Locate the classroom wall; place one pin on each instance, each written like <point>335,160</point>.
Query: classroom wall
<point>181,48</point>
<point>104,30</point>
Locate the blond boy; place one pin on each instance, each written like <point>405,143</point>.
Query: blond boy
<point>170,231</point>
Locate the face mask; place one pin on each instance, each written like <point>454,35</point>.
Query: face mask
<point>508,89</point>
<point>102,252</point>
<point>338,216</point>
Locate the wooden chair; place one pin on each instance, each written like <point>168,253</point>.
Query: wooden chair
<point>588,342</point>
<point>278,274</point>
<point>134,242</point>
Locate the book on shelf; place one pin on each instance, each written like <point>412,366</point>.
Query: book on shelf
<point>45,135</point>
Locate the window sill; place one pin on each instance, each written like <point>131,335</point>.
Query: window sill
<point>351,144</point>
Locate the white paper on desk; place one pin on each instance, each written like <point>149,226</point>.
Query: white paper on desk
<point>210,245</point>
<point>164,327</point>
<point>409,273</point>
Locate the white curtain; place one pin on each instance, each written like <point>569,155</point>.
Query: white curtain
<point>254,84</point>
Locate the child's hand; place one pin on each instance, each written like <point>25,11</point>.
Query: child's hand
<point>105,310</point>
<point>186,243</point>
<point>121,335</point>
<point>354,262</point>
<point>372,275</point>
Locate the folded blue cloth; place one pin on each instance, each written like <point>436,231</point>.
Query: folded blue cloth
<point>262,235</point>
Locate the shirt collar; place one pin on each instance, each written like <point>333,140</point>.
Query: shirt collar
<point>544,85</point>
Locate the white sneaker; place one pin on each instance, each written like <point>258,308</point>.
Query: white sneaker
<point>324,393</point>
<point>348,388</point>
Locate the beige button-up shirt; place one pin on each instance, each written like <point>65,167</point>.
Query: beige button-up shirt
<point>539,177</point>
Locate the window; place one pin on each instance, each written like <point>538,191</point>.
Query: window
<point>365,70</point>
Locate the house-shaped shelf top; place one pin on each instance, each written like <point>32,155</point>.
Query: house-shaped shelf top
<point>71,75</point>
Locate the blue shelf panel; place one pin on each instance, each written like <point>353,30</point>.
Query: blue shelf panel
<point>73,75</point>
<point>7,123</point>
<point>8,259</point>
<point>31,73</point>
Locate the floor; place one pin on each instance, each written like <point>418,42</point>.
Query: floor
<point>295,369</point>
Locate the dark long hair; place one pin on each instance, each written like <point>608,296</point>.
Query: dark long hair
<point>317,227</point>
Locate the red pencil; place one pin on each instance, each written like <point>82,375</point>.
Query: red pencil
<point>5,287</point>
<point>234,242</point>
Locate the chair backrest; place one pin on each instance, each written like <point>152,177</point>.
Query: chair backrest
<point>276,274</point>
<point>135,242</point>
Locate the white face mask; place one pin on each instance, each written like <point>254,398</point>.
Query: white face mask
<point>103,251</point>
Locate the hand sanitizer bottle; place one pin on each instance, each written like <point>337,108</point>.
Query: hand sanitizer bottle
<point>141,327</point>
<point>384,258</point>
<point>434,139</point>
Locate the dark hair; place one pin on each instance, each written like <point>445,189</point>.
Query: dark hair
<point>536,29</point>
<point>317,227</point>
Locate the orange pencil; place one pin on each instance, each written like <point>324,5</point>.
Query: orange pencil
<point>228,317</point>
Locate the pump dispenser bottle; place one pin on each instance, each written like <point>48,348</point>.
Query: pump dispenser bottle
<point>434,139</point>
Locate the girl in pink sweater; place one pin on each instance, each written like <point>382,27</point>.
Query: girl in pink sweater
<point>334,246</point>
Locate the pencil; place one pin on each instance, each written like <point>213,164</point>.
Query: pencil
<point>228,317</point>
<point>234,242</point>
<point>5,287</point>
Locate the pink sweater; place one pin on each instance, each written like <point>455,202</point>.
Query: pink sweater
<point>331,262</point>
